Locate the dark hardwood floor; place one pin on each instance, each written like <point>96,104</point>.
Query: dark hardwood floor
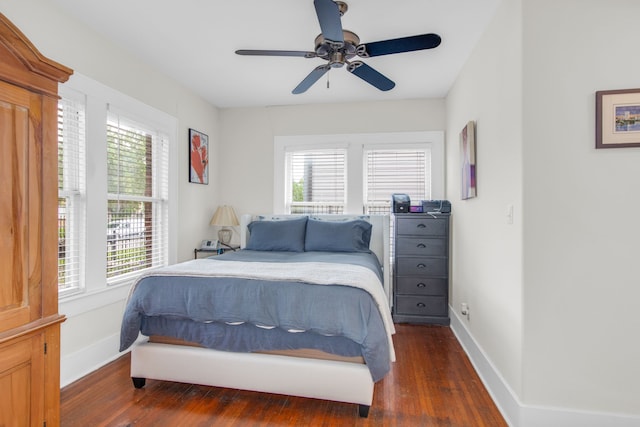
<point>431,384</point>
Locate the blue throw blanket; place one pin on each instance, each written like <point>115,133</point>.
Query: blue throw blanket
<point>252,314</point>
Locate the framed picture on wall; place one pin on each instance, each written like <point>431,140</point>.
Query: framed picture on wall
<point>198,157</point>
<point>618,118</point>
<point>468,161</point>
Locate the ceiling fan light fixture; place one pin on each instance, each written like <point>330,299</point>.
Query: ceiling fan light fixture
<point>337,59</point>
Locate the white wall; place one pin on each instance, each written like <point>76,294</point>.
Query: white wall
<point>581,346</point>
<point>486,249</point>
<point>247,136</point>
<point>91,332</point>
<point>552,296</point>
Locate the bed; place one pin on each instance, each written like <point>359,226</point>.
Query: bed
<point>303,309</point>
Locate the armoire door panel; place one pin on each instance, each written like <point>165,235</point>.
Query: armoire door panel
<point>21,379</point>
<point>19,296</point>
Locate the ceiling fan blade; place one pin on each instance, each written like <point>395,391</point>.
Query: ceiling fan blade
<point>400,45</point>
<point>299,53</point>
<point>329,18</point>
<point>313,77</point>
<point>370,75</point>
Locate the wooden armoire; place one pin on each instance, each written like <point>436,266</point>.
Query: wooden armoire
<point>29,319</point>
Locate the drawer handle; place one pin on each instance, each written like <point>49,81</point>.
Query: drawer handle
<point>421,226</point>
<point>421,305</point>
<point>421,245</point>
<point>421,285</point>
<point>421,265</point>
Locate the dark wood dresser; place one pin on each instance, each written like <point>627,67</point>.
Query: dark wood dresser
<point>421,268</point>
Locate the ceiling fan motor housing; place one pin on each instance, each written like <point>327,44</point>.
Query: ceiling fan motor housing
<point>337,53</point>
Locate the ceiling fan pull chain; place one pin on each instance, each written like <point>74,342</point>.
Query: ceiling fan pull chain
<point>328,78</point>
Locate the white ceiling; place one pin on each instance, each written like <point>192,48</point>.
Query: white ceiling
<point>194,42</point>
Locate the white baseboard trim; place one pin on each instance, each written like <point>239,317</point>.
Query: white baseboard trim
<point>504,398</point>
<point>76,365</point>
<point>534,416</point>
<point>515,412</point>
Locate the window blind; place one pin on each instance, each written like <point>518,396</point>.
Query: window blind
<point>137,199</point>
<point>389,171</point>
<point>316,181</point>
<point>71,193</point>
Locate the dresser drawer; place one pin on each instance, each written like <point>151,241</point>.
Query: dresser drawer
<point>421,266</point>
<point>423,226</point>
<point>421,246</point>
<point>421,286</point>
<point>421,306</point>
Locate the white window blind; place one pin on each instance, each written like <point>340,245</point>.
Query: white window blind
<point>71,192</point>
<point>137,200</point>
<point>316,181</point>
<point>389,171</point>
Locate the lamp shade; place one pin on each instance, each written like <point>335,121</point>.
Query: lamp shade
<point>225,216</point>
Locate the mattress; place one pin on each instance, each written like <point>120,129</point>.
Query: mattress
<point>268,301</point>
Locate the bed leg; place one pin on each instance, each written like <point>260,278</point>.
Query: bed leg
<point>138,382</point>
<point>363,410</point>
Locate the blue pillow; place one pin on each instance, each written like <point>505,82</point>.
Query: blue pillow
<point>338,236</point>
<point>286,235</point>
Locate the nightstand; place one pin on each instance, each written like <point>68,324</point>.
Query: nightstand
<point>219,250</point>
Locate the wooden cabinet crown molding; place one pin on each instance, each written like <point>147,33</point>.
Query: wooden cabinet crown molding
<point>20,55</point>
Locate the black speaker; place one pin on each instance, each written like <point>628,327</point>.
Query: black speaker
<point>400,203</point>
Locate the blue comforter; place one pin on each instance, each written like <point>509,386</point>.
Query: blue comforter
<point>249,314</point>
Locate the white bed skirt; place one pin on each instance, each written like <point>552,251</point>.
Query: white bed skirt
<point>294,376</point>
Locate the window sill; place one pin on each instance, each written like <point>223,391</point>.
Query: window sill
<point>77,304</point>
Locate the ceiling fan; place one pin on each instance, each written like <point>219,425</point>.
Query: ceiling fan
<point>338,46</point>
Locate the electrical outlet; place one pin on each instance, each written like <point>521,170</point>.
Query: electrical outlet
<point>464,309</point>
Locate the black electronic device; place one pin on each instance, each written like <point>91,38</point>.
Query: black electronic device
<point>400,202</point>
<point>436,206</point>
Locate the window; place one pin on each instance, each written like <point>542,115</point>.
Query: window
<point>137,186</point>
<point>114,205</point>
<point>316,181</point>
<point>389,171</point>
<point>71,190</point>
<point>357,173</point>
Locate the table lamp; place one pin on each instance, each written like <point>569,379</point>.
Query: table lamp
<point>224,217</point>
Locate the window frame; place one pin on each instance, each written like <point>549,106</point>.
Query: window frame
<point>356,144</point>
<point>158,197</point>
<point>75,223</point>
<point>98,291</point>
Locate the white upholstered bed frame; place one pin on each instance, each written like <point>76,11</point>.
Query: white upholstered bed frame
<point>295,376</point>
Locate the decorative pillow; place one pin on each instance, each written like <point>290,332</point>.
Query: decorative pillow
<point>338,236</point>
<point>285,235</point>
